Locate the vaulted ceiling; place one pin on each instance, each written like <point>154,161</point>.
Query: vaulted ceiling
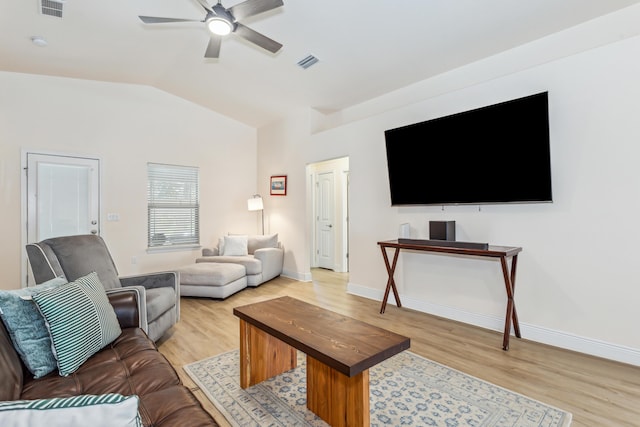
<point>365,47</point>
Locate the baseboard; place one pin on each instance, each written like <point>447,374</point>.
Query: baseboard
<point>295,275</point>
<point>530,332</point>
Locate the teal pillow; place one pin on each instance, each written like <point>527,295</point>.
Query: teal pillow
<point>27,329</point>
<point>80,320</point>
<point>107,410</point>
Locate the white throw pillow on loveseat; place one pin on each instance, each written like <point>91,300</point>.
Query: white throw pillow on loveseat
<point>234,246</point>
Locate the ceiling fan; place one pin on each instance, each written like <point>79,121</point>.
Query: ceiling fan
<point>221,21</point>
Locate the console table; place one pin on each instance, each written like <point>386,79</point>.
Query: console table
<point>459,248</point>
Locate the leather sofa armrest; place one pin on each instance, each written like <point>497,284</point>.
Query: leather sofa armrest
<point>129,306</point>
<point>169,279</point>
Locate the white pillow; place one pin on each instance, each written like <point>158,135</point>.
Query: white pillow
<point>235,245</point>
<point>107,410</point>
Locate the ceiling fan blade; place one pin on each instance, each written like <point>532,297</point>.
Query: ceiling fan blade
<point>156,20</point>
<point>253,7</point>
<point>257,38</point>
<point>204,4</point>
<point>213,49</point>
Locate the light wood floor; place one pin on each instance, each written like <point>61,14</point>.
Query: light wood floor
<point>597,392</point>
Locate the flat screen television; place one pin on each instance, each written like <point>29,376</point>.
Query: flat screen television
<point>490,155</point>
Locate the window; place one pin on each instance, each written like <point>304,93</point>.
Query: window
<point>173,206</point>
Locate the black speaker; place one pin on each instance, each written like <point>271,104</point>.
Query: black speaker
<point>442,230</point>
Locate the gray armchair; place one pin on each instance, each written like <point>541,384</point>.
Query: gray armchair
<point>77,256</point>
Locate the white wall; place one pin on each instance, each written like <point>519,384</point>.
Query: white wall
<point>577,285</point>
<point>286,215</point>
<point>126,126</point>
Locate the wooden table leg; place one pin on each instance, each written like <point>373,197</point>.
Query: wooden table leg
<point>391,284</point>
<point>336,398</point>
<point>516,323</point>
<point>511,315</point>
<point>262,356</point>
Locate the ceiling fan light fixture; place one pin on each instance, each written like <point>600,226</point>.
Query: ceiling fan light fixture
<point>219,25</point>
<point>221,21</point>
<point>39,41</point>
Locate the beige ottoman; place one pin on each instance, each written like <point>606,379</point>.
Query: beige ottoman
<point>213,280</point>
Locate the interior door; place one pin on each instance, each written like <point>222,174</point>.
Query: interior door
<point>63,196</point>
<point>325,220</point>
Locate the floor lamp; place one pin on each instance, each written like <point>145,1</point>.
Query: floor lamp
<point>255,204</point>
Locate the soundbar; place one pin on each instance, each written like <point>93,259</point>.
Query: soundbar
<point>445,243</point>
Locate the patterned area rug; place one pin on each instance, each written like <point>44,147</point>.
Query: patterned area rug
<point>406,390</point>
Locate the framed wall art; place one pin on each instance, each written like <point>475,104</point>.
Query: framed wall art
<point>278,185</point>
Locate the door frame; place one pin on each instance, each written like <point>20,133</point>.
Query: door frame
<point>24,195</point>
<point>341,196</point>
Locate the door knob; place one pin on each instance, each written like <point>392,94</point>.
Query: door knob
<point>94,231</point>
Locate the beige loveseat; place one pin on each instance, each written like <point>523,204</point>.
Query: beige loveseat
<point>261,255</point>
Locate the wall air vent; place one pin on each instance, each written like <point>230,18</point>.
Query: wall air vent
<point>51,8</point>
<point>307,62</point>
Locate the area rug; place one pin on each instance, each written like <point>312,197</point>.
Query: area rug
<point>405,390</point>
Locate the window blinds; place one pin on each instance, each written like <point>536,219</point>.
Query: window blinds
<point>173,205</point>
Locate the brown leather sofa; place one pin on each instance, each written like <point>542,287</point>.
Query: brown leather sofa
<point>130,365</point>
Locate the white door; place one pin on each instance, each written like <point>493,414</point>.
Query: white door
<point>325,220</point>
<point>63,196</point>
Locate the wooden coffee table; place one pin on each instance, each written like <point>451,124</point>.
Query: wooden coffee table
<point>340,350</point>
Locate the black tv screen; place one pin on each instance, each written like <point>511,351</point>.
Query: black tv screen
<point>494,154</point>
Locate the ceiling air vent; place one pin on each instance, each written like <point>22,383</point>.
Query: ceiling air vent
<point>51,8</point>
<point>307,62</point>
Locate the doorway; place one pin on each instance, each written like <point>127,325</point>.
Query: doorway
<point>61,197</point>
<point>329,189</point>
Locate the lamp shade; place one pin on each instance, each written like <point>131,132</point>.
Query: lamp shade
<point>255,203</point>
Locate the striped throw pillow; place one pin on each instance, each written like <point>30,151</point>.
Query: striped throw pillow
<point>80,320</point>
<point>106,410</point>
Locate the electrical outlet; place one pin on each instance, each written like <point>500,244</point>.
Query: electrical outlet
<point>113,217</point>
<point>134,260</point>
